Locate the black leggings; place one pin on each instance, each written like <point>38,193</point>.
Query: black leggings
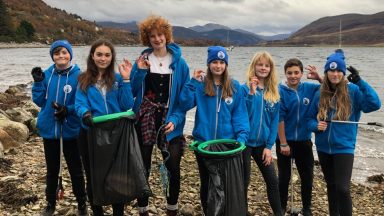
<point>268,173</point>
<point>118,209</point>
<point>72,158</point>
<point>337,171</point>
<point>301,151</point>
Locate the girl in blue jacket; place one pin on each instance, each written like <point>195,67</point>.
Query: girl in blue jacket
<point>101,91</point>
<point>335,141</point>
<point>220,108</point>
<point>157,80</point>
<point>54,92</point>
<point>294,137</point>
<point>262,101</point>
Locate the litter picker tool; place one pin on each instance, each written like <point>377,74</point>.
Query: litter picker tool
<point>354,122</point>
<point>60,188</point>
<point>163,171</point>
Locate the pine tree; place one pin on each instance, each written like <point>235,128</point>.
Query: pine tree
<point>5,24</point>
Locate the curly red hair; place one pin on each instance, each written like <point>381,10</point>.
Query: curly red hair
<point>154,22</point>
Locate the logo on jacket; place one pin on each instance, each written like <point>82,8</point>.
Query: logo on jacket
<point>270,106</point>
<point>306,101</point>
<point>115,86</point>
<point>228,100</point>
<point>67,89</point>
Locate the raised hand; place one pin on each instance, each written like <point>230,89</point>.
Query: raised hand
<point>199,75</point>
<point>313,74</point>
<point>143,62</point>
<point>125,69</point>
<point>253,82</point>
<point>37,74</point>
<point>354,77</point>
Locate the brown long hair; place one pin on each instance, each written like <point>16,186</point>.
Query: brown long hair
<point>225,80</point>
<point>270,84</point>
<point>334,98</point>
<point>154,22</point>
<point>91,74</point>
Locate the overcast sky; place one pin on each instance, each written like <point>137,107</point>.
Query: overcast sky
<point>266,17</point>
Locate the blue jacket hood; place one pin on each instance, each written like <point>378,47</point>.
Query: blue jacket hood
<point>180,76</point>
<point>263,118</point>
<point>340,137</point>
<point>294,104</point>
<point>60,88</point>
<point>216,118</point>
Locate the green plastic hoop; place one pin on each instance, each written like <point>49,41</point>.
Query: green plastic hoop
<point>113,116</point>
<point>201,146</point>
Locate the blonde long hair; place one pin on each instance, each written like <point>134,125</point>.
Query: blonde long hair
<point>334,98</point>
<point>270,84</point>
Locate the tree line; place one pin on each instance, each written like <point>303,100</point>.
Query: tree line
<point>24,32</point>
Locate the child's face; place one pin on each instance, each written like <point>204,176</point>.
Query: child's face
<point>61,58</point>
<point>102,57</point>
<point>157,39</point>
<point>217,67</point>
<point>263,68</point>
<point>335,76</point>
<point>293,75</point>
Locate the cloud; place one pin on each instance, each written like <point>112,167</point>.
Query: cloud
<point>261,16</point>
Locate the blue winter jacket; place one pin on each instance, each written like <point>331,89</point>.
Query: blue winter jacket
<point>118,99</point>
<point>180,76</point>
<point>294,105</point>
<point>340,138</point>
<point>263,118</point>
<point>59,88</point>
<point>216,118</point>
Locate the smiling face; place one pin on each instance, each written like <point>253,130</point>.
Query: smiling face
<point>217,68</point>
<point>335,77</point>
<point>102,57</point>
<point>61,57</point>
<point>293,75</point>
<point>157,39</point>
<point>262,68</point>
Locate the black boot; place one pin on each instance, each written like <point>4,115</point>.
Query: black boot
<point>49,209</point>
<point>82,207</point>
<point>97,210</point>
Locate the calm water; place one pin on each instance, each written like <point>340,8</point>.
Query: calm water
<point>15,66</point>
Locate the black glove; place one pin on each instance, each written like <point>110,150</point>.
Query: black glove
<point>60,111</point>
<point>37,74</point>
<point>354,77</point>
<point>87,119</point>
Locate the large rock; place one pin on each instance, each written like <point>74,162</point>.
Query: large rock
<point>31,107</point>
<point>18,114</point>
<point>16,130</point>
<point>1,150</point>
<point>7,141</point>
<point>14,90</point>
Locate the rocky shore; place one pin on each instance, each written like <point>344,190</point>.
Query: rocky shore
<point>22,175</point>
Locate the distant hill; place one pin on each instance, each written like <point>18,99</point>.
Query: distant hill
<point>208,27</point>
<point>130,26</point>
<point>52,24</point>
<point>356,29</point>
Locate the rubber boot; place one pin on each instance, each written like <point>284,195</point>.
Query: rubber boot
<point>171,212</point>
<point>97,210</point>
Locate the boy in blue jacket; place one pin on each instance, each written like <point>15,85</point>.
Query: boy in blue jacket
<point>294,140</point>
<point>54,91</point>
<point>339,100</point>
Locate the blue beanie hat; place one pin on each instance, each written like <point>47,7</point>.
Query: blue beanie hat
<point>217,53</point>
<point>61,43</point>
<point>336,62</point>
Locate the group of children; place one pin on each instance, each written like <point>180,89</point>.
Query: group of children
<point>158,88</point>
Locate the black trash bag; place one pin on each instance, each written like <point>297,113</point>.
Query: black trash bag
<point>116,166</point>
<point>226,196</point>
